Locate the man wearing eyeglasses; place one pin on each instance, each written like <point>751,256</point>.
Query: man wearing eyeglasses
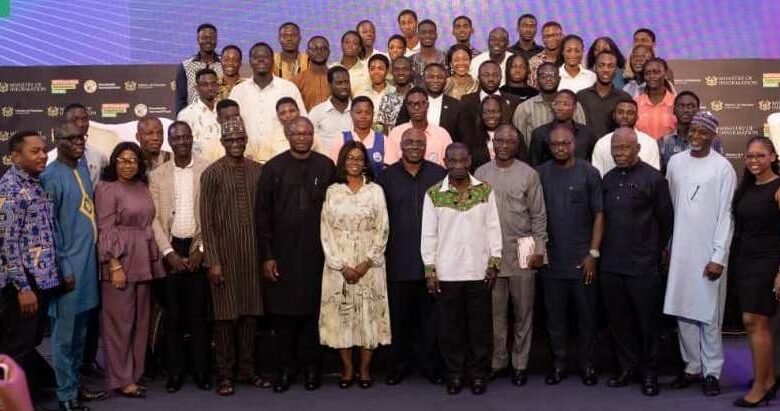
<point>313,82</point>
<point>437,138</point>
<point>67,182</point>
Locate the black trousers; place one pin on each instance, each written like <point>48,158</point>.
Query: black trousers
<point>560,296</point>
<point>464,312</point>
<point>296,340</point>
<point>634,314</point>
<point>413,325</point>
<point>20,336</point>
<point>186,311</point>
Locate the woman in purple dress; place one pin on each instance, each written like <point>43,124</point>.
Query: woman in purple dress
<point>129,260</point>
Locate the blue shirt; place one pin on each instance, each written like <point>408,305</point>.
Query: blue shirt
<point>572,197</point>
<point>75,235</point>
<point>27,247</point>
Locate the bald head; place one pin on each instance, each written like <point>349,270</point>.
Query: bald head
<point>300,134</point>
<point>625,135</point>
<point>413,145</point>
<point>295,124</point>
<point>625,147</point>
<point>150,135</point>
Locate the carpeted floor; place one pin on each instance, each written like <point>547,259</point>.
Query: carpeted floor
<point>417,394</point>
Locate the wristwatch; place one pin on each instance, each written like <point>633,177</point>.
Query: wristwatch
<point>594,253</point>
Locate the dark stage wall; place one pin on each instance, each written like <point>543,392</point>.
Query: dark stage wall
<point>741,92</point>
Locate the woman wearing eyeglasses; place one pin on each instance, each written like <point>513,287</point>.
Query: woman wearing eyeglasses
<point>129,260</point>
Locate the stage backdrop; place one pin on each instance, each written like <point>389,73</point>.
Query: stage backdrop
<point>741,92</point>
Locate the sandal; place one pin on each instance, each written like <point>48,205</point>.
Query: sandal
<point>136,393</point>
<point>260,382</point>
<point>225,388</point>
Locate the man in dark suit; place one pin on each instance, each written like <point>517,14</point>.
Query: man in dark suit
<point>443,110</point>
<point>489,81</point>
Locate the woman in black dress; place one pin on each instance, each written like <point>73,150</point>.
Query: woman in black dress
<point>756,261</point>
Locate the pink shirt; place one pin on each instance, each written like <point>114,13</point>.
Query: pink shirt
<point>656,120</point>
<point>437,140</point>
<point>368,142</point>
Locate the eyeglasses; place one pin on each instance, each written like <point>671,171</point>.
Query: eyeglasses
<point>413,143</point>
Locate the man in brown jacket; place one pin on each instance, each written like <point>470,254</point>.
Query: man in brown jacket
<point>175,187</point>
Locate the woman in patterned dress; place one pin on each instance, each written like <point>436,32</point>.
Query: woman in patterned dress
<point>354,310</point>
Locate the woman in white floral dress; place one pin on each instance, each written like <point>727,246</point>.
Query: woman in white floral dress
<point>354,228</point>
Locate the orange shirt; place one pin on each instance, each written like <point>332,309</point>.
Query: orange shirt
<point>314,87</point>
<point>657,120</point>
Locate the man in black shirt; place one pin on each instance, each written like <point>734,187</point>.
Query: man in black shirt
<point>489,76</point>
<point>287,221</point>
<point>600,99</point>
<point>638,223</point>
<point>575,223</point>
<point>411,307</point>
<point>563,106</point>
<point>526,29</point>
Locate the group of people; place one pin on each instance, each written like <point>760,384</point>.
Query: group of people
<point>407,198</point>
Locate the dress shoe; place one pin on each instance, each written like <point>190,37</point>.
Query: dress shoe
<point>312,381</point>
<point>621,380</point>
<point>396,376</point>
<point>650,386</point>
<point>202,381</point>
<point>72,405</point>
<point>365,383</point>
<point>344,384</point>
<point>282,383</point>
<point>589,377</point>
<point>87,395</point>
<point>173,384</point>
<point>710,386</point>
<point>685,380</point>
<point>478,386</point>
<point>555,376</point>
<point>92,370</point>
<point>503,372</point>
<point>454,386</point>
<point>436,379</point>
<point>743,403</point>
<point>519,377</point>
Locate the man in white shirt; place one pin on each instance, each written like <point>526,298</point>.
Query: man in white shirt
<point>625,115</point>
<point>332,117</point>
<point>175,188</point>
<point>461,250</point>
<point>498,43</point>
<point>201,115</point>
<point>257,98</point>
